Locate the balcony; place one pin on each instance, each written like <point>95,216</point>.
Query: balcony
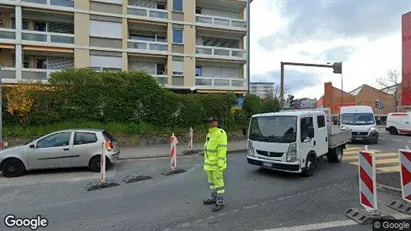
<point>214,21</point>
<point>149,13</point>
<point>7,34</point>
<point>220,52</point>
<point>220,83</point>
<point>161,79</point>
<point>58,3</point>
<point>7,73</point>
<point>147,46</point>
<point>47,37</point>
<point>36,74</point>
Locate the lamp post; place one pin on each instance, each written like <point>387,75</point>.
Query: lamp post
<point>248,44</point>
<point>1,110</point>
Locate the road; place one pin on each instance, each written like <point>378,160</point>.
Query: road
<point>256,199</point>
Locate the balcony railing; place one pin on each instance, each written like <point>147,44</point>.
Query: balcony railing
<point>47,37</point>
<point>7,33</point>
<point>161,79</point>
<point>8,73</point>
<point>221,51</point>
<point>61,3</point>
<point>147,46</point>
<point>36,74</point>
<point>221,21</point>
<point>147,12</point>
<point>223,83</point>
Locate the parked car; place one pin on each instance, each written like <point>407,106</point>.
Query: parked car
<point>61,149</point>
<point>399,123</point>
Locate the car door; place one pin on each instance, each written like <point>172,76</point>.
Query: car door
<point>53,151</point>
<point>307,144</point>
<point>85,146</point>
<point>322,135</point>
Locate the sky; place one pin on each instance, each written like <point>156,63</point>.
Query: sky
<point>364,34</point>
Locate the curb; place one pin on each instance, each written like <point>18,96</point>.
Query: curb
<point>389,189</point>
<point>235,151</point>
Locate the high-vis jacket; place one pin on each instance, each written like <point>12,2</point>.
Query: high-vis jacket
<point>215,150</point>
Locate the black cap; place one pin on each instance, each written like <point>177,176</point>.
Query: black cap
<point>211,119</point>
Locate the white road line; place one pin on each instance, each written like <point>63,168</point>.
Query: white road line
<point>382,139</point>
<point>326,225</point>
<point>396,140</point>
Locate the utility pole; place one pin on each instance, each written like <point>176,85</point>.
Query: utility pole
<point>1,110</point>
<point>248,44</point>
<point>337,67</point>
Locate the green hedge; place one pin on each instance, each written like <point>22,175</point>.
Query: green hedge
<point>124,102</point>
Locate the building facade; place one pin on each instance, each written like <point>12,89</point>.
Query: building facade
<point>183,44</point>
<point>262,89</point>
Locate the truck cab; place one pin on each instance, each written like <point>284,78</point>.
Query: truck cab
<point>292,141</point>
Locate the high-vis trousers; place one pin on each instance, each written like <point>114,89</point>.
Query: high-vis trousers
<point>216,182</point>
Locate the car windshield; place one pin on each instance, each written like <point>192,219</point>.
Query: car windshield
<point>276,129</point>
<point>357,118</point>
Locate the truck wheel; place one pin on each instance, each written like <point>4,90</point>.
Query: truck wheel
<point>393,131</point>
<point>310,166</point>
<point>335,155</point>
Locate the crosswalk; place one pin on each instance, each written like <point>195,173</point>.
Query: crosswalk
<point>385,161</point>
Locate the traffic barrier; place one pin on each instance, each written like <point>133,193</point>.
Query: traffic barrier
<point>190,139</point>
<point>173,158</point>
<point>103,183</point>
<point>367,180</point>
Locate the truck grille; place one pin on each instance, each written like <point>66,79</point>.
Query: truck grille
<point>270,154</point>
<point>360,133</point>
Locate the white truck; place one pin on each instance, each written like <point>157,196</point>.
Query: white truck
<point>293,141</point>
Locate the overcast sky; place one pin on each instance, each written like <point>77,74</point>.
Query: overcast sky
<point>364,34</point>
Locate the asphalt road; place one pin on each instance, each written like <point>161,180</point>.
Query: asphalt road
<point>256,199</point>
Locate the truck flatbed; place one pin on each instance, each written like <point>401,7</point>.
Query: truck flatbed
<point>338,136</point>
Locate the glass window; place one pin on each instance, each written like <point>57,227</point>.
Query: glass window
<point>55,140</point>
<point>199,71</point>
<point>178,67</point>
<point>276,129</point>
<point>161,6</point>
<point>178,5</point>
<point>177,35</point>
<point>40,26</point>
<point>161,69</point>
<point>305,124</point>
<point>106,29</point>
<point>321,121</point>
<point>198,10</point>
<point>84,138</point>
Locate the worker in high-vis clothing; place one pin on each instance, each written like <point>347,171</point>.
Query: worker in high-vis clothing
<point>215,162</point>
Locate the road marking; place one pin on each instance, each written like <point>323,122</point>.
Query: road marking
<point>382,139</point>
<point>382,161</point>
<point>317,226</point>
<point>220,215</point>
<point>396,140</point>
<point>210,217</point>
<point>198,221</point>
<point>249,207</point>
<point>389,169</point>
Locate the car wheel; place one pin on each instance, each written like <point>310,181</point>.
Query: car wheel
<point>13,168</point>
<point>94,164</point>
<point>393,131</point>
<point>335,155</point>
<point>310,166</point>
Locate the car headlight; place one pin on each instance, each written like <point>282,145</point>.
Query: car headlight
<point>344,128</point>
<point>292,153</point>
<point>373,129</point>
<point>250,149</point>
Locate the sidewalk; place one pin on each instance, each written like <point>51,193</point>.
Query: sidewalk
<point>163,150</point>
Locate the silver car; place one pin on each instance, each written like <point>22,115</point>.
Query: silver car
<point>61,149</point>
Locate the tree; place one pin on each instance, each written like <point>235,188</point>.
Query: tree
<point>391,84</point>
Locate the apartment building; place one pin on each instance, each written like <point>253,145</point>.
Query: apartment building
<point>262,89</point>
<point>184,44</point>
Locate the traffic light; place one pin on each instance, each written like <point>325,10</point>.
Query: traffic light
<point>379,104</point>
<point>291,102</point>
<point>337,68</point>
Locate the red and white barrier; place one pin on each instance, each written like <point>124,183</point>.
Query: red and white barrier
<point>173,151</point>
<point>103,163</point>
<point>367,179</point>
<point>405,173</point>
<point>190,139</point>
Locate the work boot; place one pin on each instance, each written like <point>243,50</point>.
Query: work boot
<point>209,201</point>
<point>218,207</point>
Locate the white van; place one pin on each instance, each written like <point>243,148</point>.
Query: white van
<point>399,123</point>
<point>361,121</point>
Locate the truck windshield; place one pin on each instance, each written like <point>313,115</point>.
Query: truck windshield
<point>357,118</point>
<point>276,129</point>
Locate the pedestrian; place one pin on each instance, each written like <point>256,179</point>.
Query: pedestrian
<point>215,162</point>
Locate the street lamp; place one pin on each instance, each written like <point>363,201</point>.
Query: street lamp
<point>248,44</point>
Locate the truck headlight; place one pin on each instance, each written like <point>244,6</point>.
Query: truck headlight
<point>373,129</point>
<point>344,128</point>
<point>250,149</point>
<point>292,153</point>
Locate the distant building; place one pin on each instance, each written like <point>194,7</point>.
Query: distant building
<point>262,89</point>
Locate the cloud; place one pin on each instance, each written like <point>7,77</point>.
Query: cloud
<point>325,20</point>
<point>293,79</point>
<point>338,53</point>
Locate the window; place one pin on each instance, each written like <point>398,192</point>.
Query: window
<point>161,69</point>
<point>106,29</point>
<point>321,121</point>
<point>106,61</point>
<point>55,140</point>
<point>305,124</point>
<point>161,6</point>
<point>177,35</point>
<point>40,26</point>
<point>84,138</point>
<point>198,10</point>
<point>199,71</point>
<point>178,5</point>
<point>41,63</point>
<point>178,67</point>
<point>24,25</point>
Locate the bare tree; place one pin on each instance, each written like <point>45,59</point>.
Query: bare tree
<point>276,93</point>
<point>391,84</point>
